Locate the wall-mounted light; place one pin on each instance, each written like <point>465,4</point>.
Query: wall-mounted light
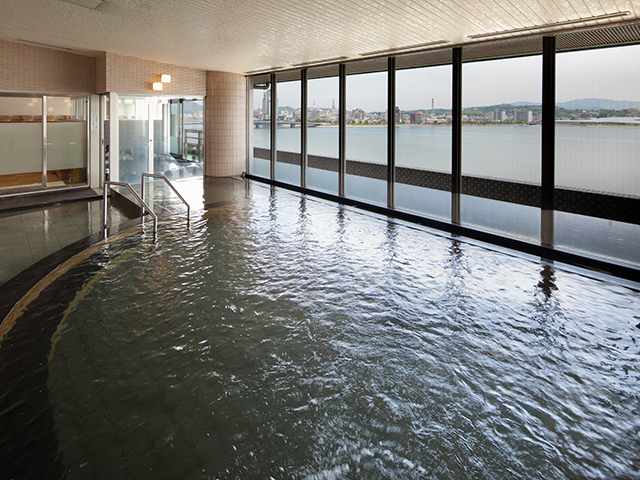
<point>165,78</point>
<point>156,86</point>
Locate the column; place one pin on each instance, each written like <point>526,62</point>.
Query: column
<point>225,125</point>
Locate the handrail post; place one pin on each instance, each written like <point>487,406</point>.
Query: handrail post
<point>155,175</point>
<point>105,191</point>
<point>106,187</point>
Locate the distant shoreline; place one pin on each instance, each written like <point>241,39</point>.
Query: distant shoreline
<point>465,124</point>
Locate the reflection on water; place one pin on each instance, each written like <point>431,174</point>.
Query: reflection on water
<point>547,281</point>
<point>287,337</point>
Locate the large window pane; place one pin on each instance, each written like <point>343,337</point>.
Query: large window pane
<point>367,137</point>
<point>288,134</point>
<point>322,133</point>
<point>423,140</point>
<point>66,141</point>
<point>20,142</point>
<point>597,149</point>
<point>260,161</point>
<point>501,145</point>
<point>133,138</point>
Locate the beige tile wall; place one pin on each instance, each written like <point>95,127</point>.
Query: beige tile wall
<point>24,68</point>
<point>124,74</point>
<point>225,124</point>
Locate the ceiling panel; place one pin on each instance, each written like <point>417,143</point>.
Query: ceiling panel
<point>251,35</point>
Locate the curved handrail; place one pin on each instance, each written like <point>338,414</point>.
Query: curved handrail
<point>155,175</point>
<point>107,186</point>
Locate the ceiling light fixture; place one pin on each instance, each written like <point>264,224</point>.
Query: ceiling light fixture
<point>550,25</point>
<point>156,86</point>
<point>404,48</point>
<point>165,78</point>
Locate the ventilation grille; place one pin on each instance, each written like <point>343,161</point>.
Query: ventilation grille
<point>600,37</point>
<point>324,71</point>
<point>502,49</point>
<point>368,66</point>
<point>424,59</point>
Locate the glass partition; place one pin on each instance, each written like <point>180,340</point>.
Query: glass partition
<point>193,112</point>
<point>322,132</point>
<point>288,162</point>
<point>66,141</point>
<point>366,139</point>
<point>178,142</point>
<point>423,140</point>
<point>502,145</point>
<point>134,138</point>
<point>260,161</point>
<point>597,154</point>
<point>20,142</point>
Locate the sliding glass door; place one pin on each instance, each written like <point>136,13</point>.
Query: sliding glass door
<point>159,135</point>
<point>43,142</point>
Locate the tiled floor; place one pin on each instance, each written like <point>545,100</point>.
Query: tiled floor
<point>27,236</point>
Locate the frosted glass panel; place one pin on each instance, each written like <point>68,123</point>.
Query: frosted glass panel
<point>133,123</point>
<point>20,142</point>
<point>66,140</point>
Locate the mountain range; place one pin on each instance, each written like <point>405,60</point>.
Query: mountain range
<point>598,104</point>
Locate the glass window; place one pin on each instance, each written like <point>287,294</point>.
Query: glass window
<point>260,161</point>
<point>20,142</point>
<point>366,140</point>
<point>597,140</point>
<point>288,137</point>
<point>423,140</point>
<point>133,138</point>
<point>66,140</point>
<point>322,132</point>
<point>501,145</point>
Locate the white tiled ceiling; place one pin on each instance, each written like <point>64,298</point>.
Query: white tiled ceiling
<point>248,35</point>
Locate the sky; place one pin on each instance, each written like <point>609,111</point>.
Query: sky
<point>611,73</point>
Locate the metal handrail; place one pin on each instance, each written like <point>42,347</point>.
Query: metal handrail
<point>107,186</point>
<point>155,175</point>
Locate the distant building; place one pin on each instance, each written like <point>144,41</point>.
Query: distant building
<point>399,117</point>
<point>497,116</point>
<point>312,113</point>
<point>523,116</point>
<point>266,103</point>
<point>359,114</point>
<point>415,117</point>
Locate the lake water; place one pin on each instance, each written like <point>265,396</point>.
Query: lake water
<point>591,157</point>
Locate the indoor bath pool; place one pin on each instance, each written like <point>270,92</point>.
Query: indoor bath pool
<point>289,337</point>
